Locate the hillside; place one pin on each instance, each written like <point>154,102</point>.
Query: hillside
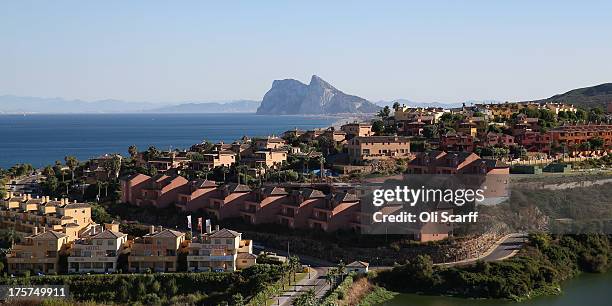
<point>588,97</point>
<point>292,97</point>
<point>239,106</point>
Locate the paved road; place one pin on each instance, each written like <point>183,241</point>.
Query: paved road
<point>508,248</point>
<point>316,281</point>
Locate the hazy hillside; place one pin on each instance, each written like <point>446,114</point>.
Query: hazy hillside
<point>239,106</point>
<point>588,97</point>
<point>15,105</point>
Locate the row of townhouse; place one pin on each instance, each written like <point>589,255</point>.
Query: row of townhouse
<point>570,136</point>
<point>25,214</point>
<point>98,249</point>
<point>303,208</point>
<point>322,207</point>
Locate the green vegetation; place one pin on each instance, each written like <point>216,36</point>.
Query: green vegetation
<point>339,293</point>
<point>539,269</point>
<point>207,288</point>
<point>377,296</point>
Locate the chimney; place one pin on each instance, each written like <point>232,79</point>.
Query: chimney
<point>93,230</point>
<point>217,228</point>
<point>43,229</point>
<point>160,228</point>
<point>151,229</point>
<point>9,195</point>
<point>208,229</point>
<point>34,231</point>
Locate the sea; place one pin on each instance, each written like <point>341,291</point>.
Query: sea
<point>40,139</point>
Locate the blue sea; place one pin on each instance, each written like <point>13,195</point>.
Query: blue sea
<point>42,139</point>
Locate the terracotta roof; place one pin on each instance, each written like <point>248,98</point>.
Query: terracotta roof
<point>225,233</point>
<point>204,183</point>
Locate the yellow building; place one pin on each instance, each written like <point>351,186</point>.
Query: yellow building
<point>362,149</point>
<point>23,213</point>
<point>97,250</point>
<point>156,251</point>
<point>221,250</point>
<point>38,253</point>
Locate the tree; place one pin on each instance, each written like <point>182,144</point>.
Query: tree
<point>72,163</point>
<point>378,127</point>
<point>596,143</point>
<point>396,106</point>
<point>237,300</point>
<point>308,298</point>
<point>115,165</point>
<point>430,131</point>
<point>384,113</point>
<point>133,150</point>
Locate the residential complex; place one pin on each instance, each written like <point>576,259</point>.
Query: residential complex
<point>26,214</point>
<point>96,248</point>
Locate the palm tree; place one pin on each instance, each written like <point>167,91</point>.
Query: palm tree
<point>133,150</point>
<point>72,163</point>
<point>341,269</point>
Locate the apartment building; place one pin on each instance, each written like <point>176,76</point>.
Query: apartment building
<point>496,139</point>
<point>574,135</point>
<point>273,158</point>
<point>171,160</point>
<point>363,149</point>
<point>454,141</point>
<point>159,191</point>
<point>269,143</point>
<point>39,252</point>
<point>26,214</point>
<point>264,205</point>
<point>535,141</point>
<point>196,195</point>
<point>156,251</point>
<point>228,200</point>
<point>440,162</point>
<point>220,250</point>
<point>357,129</point>
<point>335,212</point>
<point>97,249</point>
<point>299,206</point>
<point>212,160</point>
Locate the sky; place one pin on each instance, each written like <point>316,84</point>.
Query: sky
<point>162,51</point>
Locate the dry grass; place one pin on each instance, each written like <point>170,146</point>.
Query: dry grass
<point>360,288</point>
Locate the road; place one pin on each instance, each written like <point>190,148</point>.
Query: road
<point>316,281</point>
<point>504,248</point>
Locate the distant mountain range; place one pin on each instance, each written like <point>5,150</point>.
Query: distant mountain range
<point>292,97</point>
<point>15,105</point>
<point>238,106</point>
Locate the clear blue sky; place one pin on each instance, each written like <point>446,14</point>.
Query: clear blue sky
<point>420,50</point>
